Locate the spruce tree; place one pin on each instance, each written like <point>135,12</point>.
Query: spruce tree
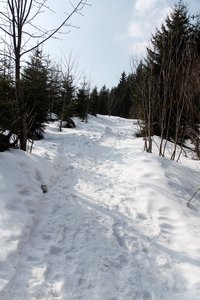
<point>6,103</point>
<point>54,91</point>
<point>93,102</point>
<point>66,99</point>
<point>35,93</point>
<point>103,100</point>
<point>8,114</point>
<point>81,104</point>
<point>136,80</point>
<point>122,97</point>
<point>170,65</point>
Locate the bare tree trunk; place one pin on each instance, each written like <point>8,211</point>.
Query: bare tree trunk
<point>18,15</point>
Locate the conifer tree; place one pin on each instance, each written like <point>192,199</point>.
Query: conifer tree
<point>122,97</point>
<point>17,17</point>
<point>54,90</point>
<point>8,118</point>
<point>112,101</point>
<point>66,99</point>
<point>103,100</point>
<point>171,63</point>
<point>82,97</point>
<point>93,102</point>
<point>35,90</point>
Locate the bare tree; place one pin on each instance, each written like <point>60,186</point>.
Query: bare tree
<point>145,90</point>
<point>16,20</point>
<point>179,77</point>
<point>168,91</point>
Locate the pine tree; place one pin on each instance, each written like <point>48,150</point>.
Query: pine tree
<point>66,99</point>
<point>35,90</point>
<point>123,97</point>
<point>93,102</point>
<point>6,102</point>
<point>103,100</point>
<point>112,101</point>
<point>54,91</point>
<point>170,65</point>
<point>8,115</point>
<point>81,106</point>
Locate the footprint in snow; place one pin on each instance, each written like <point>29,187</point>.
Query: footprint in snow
<point>32,258</point>
<point>55,250</point>
<point>23,190</point>
<point>147,295</point>
<point>141,216</point>
<point>46,237</point>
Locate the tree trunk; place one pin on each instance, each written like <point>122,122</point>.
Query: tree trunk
<point>23,134</point>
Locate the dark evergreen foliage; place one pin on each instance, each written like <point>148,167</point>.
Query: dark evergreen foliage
<point>103,100</point>
<point>93,105</point>
<point>167,77</point>
<point>117,101</point>
<point>7,105</point>
<point>54,91</point>
<point>35,93</point>
<point>8,114</point>
<point>81,102</point>
<point>123,97</point>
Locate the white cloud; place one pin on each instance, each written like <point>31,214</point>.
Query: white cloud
<point>147,15</point>
<point>135,29</point>
<point>142,6</point>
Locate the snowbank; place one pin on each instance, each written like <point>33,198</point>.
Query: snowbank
<point>114,224</point>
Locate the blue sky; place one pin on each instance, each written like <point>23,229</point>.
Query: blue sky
<point>110,32</point>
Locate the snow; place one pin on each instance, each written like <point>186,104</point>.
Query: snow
<point>114,224</point>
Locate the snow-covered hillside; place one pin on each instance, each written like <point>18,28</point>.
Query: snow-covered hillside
<point>114,224</point>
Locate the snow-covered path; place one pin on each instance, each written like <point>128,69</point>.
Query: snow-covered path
<point>113,225</point>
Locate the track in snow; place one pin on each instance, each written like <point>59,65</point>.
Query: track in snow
<point>95,237</point>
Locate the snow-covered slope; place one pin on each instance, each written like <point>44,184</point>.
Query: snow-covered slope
<point>114,224</point>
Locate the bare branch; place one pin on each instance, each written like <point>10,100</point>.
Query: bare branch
<point>14,20</point>
<point>76,9</point>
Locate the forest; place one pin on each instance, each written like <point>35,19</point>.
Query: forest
<point>162,91</point>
